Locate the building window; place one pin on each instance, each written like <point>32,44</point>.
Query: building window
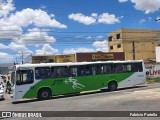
<point>118,36</point>
<point>111,47</point>
<point>110,38</point>
<point>119,46</point>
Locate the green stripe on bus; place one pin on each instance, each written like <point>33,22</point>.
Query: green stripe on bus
<point>67,85</point>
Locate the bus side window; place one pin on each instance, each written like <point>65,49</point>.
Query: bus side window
<point>134,67</point>
<point>137,67</point>
<point>53,72</point>
<point>113,68</point>
<point>118,68</point>
<point>128,67</point>
<point>140,68</point>
<point>84,70</point>
<point>72,71</point>
<point>93,69</point>
<point>99,69</point>
<point>107,69</point>
<point>42,72</point>
<point>59,72</point>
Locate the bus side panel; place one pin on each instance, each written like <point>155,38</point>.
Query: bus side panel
<point>135,79</point>
<point>75,84</point>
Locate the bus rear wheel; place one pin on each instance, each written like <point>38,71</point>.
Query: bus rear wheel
<point>112,86</point>
<point>44,94</point>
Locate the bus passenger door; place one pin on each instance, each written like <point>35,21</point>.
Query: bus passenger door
<point>24,81</point>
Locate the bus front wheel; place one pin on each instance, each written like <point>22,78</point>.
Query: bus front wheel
<point>112,86</point>
<point>44,94</point>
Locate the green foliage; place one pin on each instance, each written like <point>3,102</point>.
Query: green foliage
<point>153,80</point>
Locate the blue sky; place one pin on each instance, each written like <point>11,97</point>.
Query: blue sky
<point>48,27</point>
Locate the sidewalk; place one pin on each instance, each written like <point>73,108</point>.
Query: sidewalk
<point>153,90</point>
<point>7,96</point>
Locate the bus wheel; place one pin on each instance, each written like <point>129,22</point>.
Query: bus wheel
<point>44,94</point>
<point>112,86</point>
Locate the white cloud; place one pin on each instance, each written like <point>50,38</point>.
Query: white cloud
<point>94,14</point>
<point>107,18</point>
<point>142,21</point>
<point>13,46</point>
<point>99,37</point>
<point>6,7</point>
<point>93,37</point>
<point>9,30</point>
<point>88,37</point>
<point>87,20</point>
<point>149,6</point>
<point>149,18</point>
<point>43,7</point>
<point>6,58</point>
<point>37,17</point>
<point>11,27</point>
<point>47,49</point>
<point>101,45</point>
<point>76,50</point>
<point>157,19</point>
<point>2,46</point>
<point>104,18</point>
<point>35,36</point>
<point>19,49</point>
<point>121,1</point>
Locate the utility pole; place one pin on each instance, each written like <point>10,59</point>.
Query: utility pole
<point>22,57</point>
<point>133,49</point>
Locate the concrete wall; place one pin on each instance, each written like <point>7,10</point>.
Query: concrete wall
<point>152,71</point>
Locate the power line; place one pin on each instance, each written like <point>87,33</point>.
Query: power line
<point>146,31</point>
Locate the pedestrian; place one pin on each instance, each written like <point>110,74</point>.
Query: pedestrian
<point>8,87</point>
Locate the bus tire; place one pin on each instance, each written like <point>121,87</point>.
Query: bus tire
<point>112,86</point>
<point>44,94</point>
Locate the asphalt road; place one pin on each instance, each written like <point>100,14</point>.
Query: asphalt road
<point>141,98</point>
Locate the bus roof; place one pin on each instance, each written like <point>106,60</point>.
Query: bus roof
<point>72,63</point>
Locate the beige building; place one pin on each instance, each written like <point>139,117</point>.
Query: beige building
<point>138,44</point>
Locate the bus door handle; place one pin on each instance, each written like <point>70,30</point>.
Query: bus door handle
<point>20,91</point>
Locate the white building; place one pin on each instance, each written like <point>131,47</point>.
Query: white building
<point>158,54</point>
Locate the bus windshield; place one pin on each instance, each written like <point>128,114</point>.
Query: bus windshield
<point>24,77</point>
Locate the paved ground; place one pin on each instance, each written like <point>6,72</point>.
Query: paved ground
<point>144,98</point>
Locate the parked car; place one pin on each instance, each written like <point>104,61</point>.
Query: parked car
<point>1,91</point>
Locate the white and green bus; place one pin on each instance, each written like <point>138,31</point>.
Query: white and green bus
<point>50,79</point>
